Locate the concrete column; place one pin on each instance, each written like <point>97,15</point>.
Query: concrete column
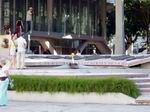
<point>39,16</point>
<point>119,38</point>
<point>0,16</point>
<point>50,15</point>
<point>103,17</point>
<point>26,12</point>
<point>14,15</point>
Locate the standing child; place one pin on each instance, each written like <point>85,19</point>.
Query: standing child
<point>4,81</point>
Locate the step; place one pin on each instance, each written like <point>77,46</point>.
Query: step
<point>143,85</point>
<point>126,75</point>
<point>147,90</point>
<point>145,93</point>
<point>143,99</point>
<point>138,80</point>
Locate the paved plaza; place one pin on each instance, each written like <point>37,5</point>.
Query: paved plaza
<point>64,71</point>
<point>15,106</point>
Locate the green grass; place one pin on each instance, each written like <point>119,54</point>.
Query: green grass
<point>74,84</point>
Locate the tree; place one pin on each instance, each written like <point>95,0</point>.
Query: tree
<point>137,19</point>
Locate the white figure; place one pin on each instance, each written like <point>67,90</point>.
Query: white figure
<point>21,48</point>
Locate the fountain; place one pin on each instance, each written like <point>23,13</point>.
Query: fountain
<point>73,65</point>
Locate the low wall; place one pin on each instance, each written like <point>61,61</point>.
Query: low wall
<point>108,98</point>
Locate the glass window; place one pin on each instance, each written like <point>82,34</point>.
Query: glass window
<point>80,17</point>
<point>57,24</point>
<point>76,17</point>
<point>21,11</point>
<point>43,15</point>
<point>40,22</point>
<point>7,13</point>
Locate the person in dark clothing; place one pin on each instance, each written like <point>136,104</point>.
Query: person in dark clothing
<point>19,26</point>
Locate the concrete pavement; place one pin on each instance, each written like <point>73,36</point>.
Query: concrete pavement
<point>64,71</point>
<point>15,106</point>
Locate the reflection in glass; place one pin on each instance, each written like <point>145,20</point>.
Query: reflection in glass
<point>76,17</point>
<point>81,17</point>
<point>7,13</point>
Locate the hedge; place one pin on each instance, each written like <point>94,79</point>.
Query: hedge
<point>74,84</point>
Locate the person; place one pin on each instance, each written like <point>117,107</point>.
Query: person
<point>29,19</point>
<point>7,30</point>
<point>4,81</point>
<point>12,50</point>
<point>46,51</point>
<point>21,48</point>
<point>94,51</point>
<point>19,26</point>
<point>78,53</point>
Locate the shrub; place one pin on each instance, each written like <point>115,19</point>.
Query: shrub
<point>74,84</point>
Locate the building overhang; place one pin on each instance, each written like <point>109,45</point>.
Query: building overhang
<point>54,35</point>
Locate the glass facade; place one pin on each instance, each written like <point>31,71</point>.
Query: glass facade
<point>84,19</point>
<point>81,17</point>
<point>40,18</point>
<point>14,9</point>
<point>7,12</point>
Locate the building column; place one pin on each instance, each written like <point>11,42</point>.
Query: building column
<point>0,16</point>
<point>39,16</point>
<point>119,38</point>
<point>103,18</point>
<point>50,15</point>
<point>14,15</point>
<point>27,3</point>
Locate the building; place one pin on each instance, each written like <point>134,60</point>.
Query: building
<point>61,26</point>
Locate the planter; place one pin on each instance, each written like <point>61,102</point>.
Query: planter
<point>108,98</point>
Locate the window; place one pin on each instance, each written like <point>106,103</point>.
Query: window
<point>76,17</point>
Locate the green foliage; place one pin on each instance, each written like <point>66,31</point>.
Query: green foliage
<point>74,84</point>
<point>137,16</point>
